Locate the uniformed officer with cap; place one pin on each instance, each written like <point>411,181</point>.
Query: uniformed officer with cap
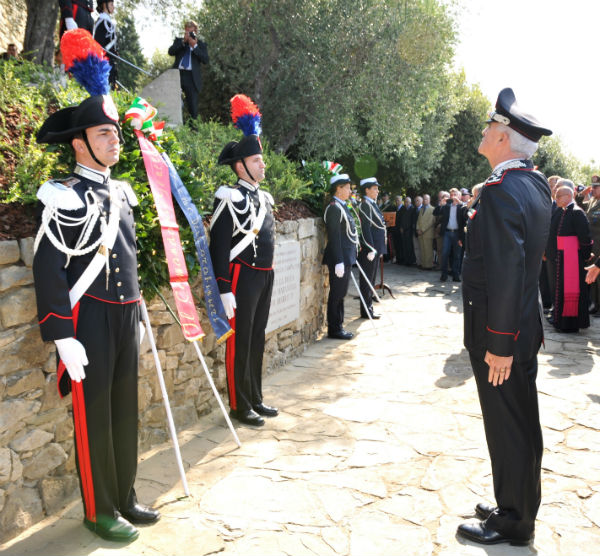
<point>242,239</point>
<point>507,231</point>
<point>372,242</point>
<point>340,253</point>
<point>86,284</point>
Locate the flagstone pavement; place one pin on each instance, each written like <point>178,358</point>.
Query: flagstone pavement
<point>378,450</point>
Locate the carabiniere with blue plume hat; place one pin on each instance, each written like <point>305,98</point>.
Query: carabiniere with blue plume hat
<point>247,117</point>
<point>85,60</point>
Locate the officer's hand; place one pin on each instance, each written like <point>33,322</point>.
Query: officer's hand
<point>142,332</point>
<point>72,354</point>
<point>339,270</point>
<point>229,304</point>
<point>70,23</point>
<point>499,367</point>
<point>371,255</point>
<point>592,273</point>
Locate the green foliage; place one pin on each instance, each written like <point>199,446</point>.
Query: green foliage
<point>130,50</point>
<point>552,160</point>
<point>461,165</point>
<point>334,77</point>
<point>318,179</point>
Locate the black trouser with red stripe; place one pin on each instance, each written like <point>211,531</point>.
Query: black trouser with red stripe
<point>514,437</point>
<point>338,288</point>
<point>252,289</point>
<point>105,405</point>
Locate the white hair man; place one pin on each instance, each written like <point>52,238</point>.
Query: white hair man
<point>507,231</point>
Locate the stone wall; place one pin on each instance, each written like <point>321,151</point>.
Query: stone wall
<point>37,459</point>
<point>13,18</point>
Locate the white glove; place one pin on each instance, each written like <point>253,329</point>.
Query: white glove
<point>371,255</point>
<point>229,304</point>
<point>70,23</point>
<point>339,270</point>
<point>72,354</point>
<point>142,332</point>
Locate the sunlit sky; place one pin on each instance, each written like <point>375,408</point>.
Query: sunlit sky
<point>546,50</point>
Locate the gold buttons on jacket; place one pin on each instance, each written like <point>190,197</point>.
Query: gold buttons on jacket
<point>117,269</point>
<point>119,284</point>
<point>121,297</point>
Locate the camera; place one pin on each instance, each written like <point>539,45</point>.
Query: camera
<point>192,35</point>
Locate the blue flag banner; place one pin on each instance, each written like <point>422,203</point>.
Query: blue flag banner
<point>212,298</point>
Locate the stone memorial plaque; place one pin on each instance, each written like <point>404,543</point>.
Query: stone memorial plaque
<point>285,301</point>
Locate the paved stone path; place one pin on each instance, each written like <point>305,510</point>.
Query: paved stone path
<point>379,449</point>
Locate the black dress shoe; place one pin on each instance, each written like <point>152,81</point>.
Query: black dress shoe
<point>443,278</point>
<point>266,410</point>
<point>141,515</point>
<point>341,335</point>
<point>112,529</point>
<point>374,316</point>
<point>483,510</point>
<point>479,532</point>
<point>593,308</point>
<point>249,417</point>
<point>456,278</point>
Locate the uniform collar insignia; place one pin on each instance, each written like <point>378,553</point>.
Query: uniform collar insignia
<point>93,175</point>
<point>506,165</point>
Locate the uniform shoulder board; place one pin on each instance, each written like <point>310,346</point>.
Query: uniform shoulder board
<point>60,194</point>
<point>226,193</point>
<point>268,196</point>
<point>129,193</point>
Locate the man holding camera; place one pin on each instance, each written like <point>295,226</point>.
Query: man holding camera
<point>189,52</point>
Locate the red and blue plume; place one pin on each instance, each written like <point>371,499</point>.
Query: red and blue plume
<point>84,58</point>
<point>245,115</point>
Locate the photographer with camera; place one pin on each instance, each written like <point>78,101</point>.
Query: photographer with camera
<point>189,52</point>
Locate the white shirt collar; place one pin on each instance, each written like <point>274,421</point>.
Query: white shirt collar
<point>247,184</point>
<point>90,174</point>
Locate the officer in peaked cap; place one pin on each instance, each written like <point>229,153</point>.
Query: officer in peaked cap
<point>242,243</point>
<point>340,253</point>
<point>86,284</point>
<point>372,242</point>
<point>507,231</point>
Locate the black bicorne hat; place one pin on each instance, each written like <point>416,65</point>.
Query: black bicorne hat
<point>238,150</point>
<point>508,112</point>
<point>63,125</point>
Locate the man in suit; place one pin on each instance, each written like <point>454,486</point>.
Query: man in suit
<point>189,53</point>
<point>507,231</point>
<point>405,229</point>
<point>425,233</point>
<point>372,243</point>
<point>340,253</point>
<point>452,231</point>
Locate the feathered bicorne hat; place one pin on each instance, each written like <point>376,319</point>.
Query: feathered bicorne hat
<point>84,58</point>
<point>246,116</point>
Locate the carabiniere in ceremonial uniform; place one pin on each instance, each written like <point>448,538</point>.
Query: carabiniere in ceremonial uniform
<point>86,283</point>
<point>242,240</point>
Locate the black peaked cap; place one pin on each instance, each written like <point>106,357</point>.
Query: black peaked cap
<point>524,123</point>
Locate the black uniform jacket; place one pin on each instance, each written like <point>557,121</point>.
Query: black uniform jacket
<point>507,231</point>
<point>199,55</point>
<point>339,248</point>
<point>371,235</point>
<point>222,240</point>
<point>53,281</point>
